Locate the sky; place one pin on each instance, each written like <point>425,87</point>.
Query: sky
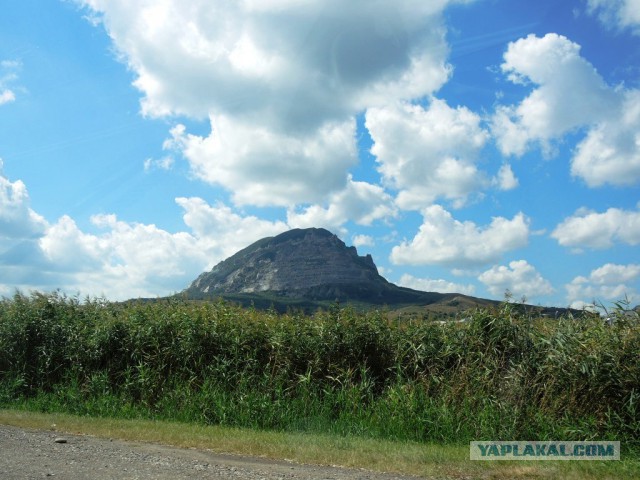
<point>475,147</point>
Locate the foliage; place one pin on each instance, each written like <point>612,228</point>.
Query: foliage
<point>499,375</point>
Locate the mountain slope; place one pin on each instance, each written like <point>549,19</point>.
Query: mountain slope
<point>304,268</point>
<point>297,263</point>
<point>312,268</point>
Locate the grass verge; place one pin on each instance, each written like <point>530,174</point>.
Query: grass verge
<point>424,460</point>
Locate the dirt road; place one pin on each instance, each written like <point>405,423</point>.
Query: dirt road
<point>36,454</point>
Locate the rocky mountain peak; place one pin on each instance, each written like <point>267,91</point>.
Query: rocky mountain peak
<point>310,263</point>
<point>311,268</point>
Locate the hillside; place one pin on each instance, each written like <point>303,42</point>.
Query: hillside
<point>311,268</point>
<point>307,269</point>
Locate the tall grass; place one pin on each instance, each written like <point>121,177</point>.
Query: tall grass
<point>498,376</point>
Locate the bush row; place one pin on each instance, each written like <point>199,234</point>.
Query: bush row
<point>497,376</point>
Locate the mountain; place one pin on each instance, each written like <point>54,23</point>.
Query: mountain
<point>299,263</point>
<point>308,268</point>
<point>312,268</point>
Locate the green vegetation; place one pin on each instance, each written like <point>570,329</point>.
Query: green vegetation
<point>499,376</point>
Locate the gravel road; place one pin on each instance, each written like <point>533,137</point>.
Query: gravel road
<point>35,454</point>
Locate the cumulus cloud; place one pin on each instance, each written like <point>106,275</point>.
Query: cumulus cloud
<point>17,219</point>
<point>588,229</point>
<point>281,82</point>
<point>611,282</point>
<point>69,249</point>
<point>363,241</point>
<point>617,14</point>
<point>123,259</point>
<point>361,202</point>
<point>128,260</point>
<point>569,93</point>
<point>610,153</point>
<point>506,179</point>
<point>288,64</point>
<point>21,228</point>
<point>221,230</point>
<point>427,153</point>
<point>443,240</point>
<point>431,285</point>
<point>520,278</point>
<point>262,167</point>
<point>21,259</point>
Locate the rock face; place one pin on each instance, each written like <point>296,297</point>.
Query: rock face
<point>302,263</point>
<point>311,268</point>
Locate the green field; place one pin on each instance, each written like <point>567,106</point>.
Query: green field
<point>499,376</point>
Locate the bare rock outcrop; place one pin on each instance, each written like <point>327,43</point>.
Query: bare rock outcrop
<point>310,263</point>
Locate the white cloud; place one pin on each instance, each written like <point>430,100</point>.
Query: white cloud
<point>363,241</point>
<point>430,285</point>
<point>427,153</point>
<point>611,151</point>
<point>506,180</point>
<point>21,228</point>
<point>8,75</point>
<point>617,14</point>
<point>361,202</point>
<point>69,249</point>
<point>289,64</point>
<point>520,278</point>
<point>582,305</point>
<point>148,254</point>
<point>10,64</point>
<point>126,260</point>
<point>610,274</point>
<point>221,231</point>
<point>164,163</point>
<point>569,93</point>
<point>129,260</point>
<point>263,168</point>
<point>281,82</point>
<point>443,240</point>
<point>7,96</point>
<point>599,230</point>
<point>610,282</point>
<point>17,219</point>
<point>123,260</point>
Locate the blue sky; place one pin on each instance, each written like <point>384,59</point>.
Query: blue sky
<point>469,146</point>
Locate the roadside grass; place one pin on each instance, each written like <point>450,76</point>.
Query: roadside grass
<point>409,458</point>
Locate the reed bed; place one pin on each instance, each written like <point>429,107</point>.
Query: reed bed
<point>499,376</point>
